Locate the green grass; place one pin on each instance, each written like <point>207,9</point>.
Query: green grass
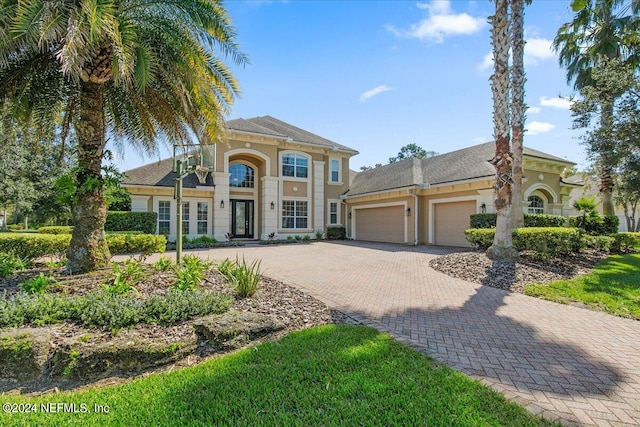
<point>329,375</point>
<point>612,286</point>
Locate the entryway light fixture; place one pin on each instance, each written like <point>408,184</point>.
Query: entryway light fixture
<point>221,204</point>
<point>483,208</point>
<point>408,211</point>
<point>273,206</point>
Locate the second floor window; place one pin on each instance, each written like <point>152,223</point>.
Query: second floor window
<point>295,165</point>
<point>335,171</point>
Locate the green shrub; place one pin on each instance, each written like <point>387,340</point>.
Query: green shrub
<point>190,273</point>
<point>336,233</point>
<point>243,277</point>
<point>480,238</point>
<point>57,229</point>
<point>483,220</point>
<point>549,241</point>
<point>544,220</point>
<point>544,241</point>
<point>488,220</point>
<point>601,243</point>
<point>123,277</point>
<point>132,243</point>
<point>38,285</point>
<point>31,246</point>
<point>10,263</point>
<point>144,222</point>
<point>596,225</point>
<point>163,264</point>
<point>181,305</point>
<point>247,277</point>
<point>100,309</point>
<point>626,242</point>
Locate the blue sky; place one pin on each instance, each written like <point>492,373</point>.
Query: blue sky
<point>377,75</point>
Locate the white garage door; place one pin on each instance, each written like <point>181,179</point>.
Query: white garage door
<point>450,221</point>
<point>384,224</point>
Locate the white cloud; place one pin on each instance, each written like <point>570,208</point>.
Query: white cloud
<point>441,23</point>
<point>373,92</point>
<point>561,103</point>
<point>534,110</point>
<point>536,128</point>
<point>481,139</point>
<point>487,62</point>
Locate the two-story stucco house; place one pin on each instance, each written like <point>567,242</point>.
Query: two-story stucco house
<point>268,177</point>
<point>272,177</point>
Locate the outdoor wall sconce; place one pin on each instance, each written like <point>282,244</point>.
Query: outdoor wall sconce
<point>273,206</point>
<point>408,211</point>
<point>349,215</point>
<point>221,204</point>
<point>483,208</point>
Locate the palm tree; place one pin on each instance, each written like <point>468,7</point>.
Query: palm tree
<point>502,247</point>
<point>518,106</point>
<point>599,29</point>
<point>131,70</point>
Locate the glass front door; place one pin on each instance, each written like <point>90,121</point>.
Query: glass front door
<point>242,219</point>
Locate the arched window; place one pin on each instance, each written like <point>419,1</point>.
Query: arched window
<point>242,176</point>
<point>536,205</point>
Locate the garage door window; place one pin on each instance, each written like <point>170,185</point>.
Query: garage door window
<point>294,214</point>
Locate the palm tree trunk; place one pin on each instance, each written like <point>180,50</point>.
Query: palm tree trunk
<point>88,249</point>
<point>502,247</point>
<point>517,108</point>
<point>606,152</point>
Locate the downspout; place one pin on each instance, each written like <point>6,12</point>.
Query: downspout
<point>415,216</point>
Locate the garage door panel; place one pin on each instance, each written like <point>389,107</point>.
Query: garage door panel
<point>382,224</point>
<point>450,221</point>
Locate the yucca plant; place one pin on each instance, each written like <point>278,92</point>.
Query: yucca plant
<point>163,264</point>
<point>123,279</point>
<point>10,263</point>
<point>190,274</point>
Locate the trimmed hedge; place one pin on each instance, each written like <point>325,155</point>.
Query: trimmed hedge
<point>56,229</point>
<point>625,242</point>
<point>131,221</point>
<point>143,243</point>
<point>598,226</point>
<point>488,220</point>
<point>336,233</point>
<point>544,241</point>
<point>30,246</point>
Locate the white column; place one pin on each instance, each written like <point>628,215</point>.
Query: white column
<point>269,220</point>
<point>221,215</point>
<point>318,196</point>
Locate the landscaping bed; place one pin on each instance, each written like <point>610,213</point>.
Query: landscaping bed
<point>476,267</point>
<point>41,357</point>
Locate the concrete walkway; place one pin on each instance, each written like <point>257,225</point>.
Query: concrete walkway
<point>562,362</point>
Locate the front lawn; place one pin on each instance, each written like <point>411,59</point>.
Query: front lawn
<point>328,375</point>
<point>612,286</point>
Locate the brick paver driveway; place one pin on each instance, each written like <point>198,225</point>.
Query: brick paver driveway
<point>559,361</point>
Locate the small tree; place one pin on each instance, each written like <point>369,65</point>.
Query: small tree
<point>412,150</point>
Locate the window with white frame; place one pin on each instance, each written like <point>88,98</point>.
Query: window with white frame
<point>185,218</point>
<point>335,170</point>
<point>295,214</point>
<point>334,217</point>
<point>536,205</point>
<point>203,217</point>
<point>164,217</point>
<point>295,165</point>
<point>241,176</point>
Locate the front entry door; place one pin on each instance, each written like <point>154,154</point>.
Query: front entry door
<point>242,219</point>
